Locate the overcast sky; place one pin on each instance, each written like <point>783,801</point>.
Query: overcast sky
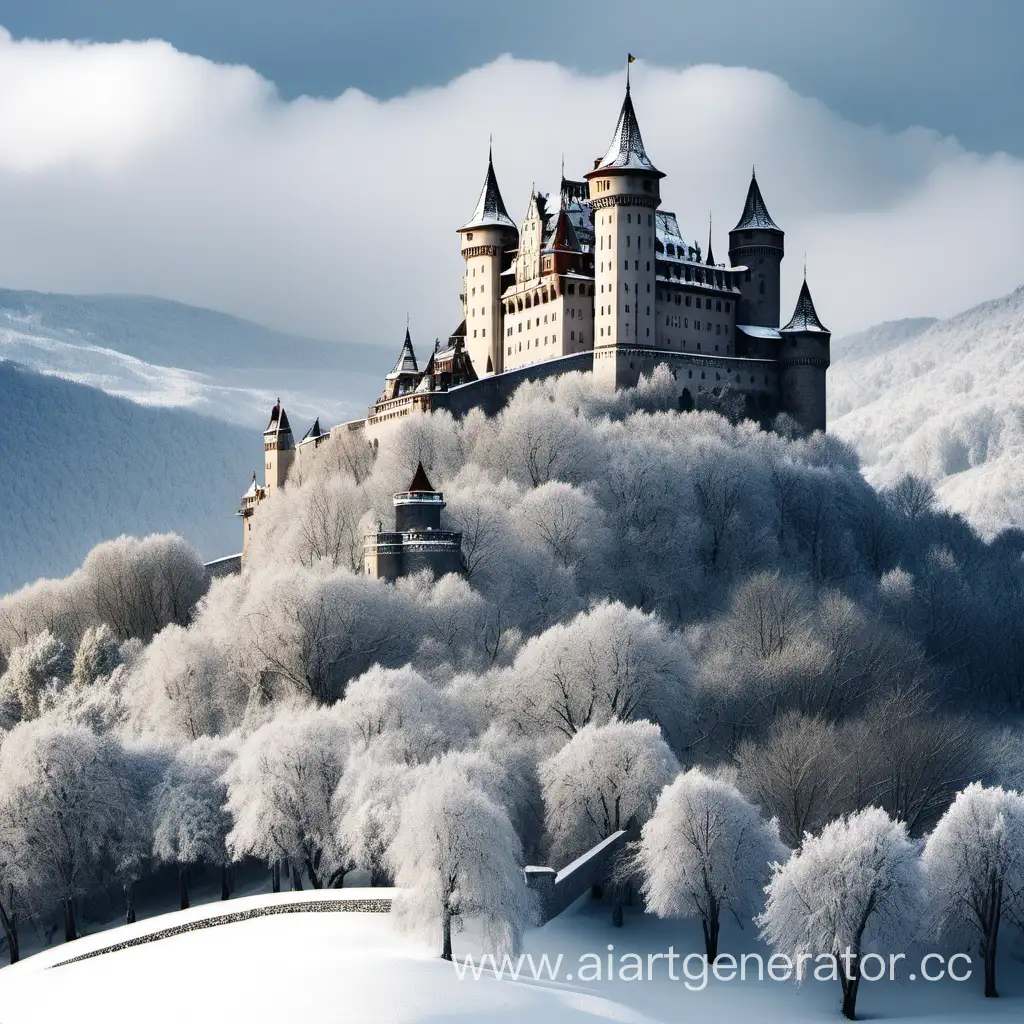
<point>345,143</point>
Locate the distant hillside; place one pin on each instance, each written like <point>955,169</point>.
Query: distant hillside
<point>79,466</point>
<point>165,353</point>
<point>943,399</point>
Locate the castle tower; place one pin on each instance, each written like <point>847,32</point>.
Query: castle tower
<point>757,243</point>
<point>624,194</point>
<point>804,356</point>
<point>278,448</point>
<point>417,542</point>
<point>487,238</point>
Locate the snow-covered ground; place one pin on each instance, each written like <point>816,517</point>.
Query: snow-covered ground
<point>355,967</point>
<point>942,399</point>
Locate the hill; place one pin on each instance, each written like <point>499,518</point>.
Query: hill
<point>943,399</point>
<point>166,353</point>
<point>355,966</point>
<point>80,466</point>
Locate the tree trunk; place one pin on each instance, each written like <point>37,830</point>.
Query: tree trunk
<point>296,879</point>
<point>617,908</point>
<point>225,883</point>
<point>70,924</point>
<point>275,876</point>
<point>183,887</point>
<point>711,938</point>
<point>850,986</point>
<point>9,921</point>
<point>446,927</point>
<point>129,903</point>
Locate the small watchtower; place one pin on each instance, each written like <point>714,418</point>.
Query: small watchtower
<point>417,541</point>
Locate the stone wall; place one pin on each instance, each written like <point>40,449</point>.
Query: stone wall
<point>558,890</point>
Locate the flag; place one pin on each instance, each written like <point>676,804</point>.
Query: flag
<point>630,57</point>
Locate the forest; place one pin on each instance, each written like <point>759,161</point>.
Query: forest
<point>717,637</point>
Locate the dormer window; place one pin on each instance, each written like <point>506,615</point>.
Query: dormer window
<point>469,236</point>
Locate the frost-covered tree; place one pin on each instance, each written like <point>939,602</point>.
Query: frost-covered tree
<point>69,786</point>
<point>191,821</point>
<point>98,654</point>
<point>280,788</point>
<point>611,663</point>
<point>456,856</point>
<point>606,778</point>
<point>795,773</point>
<point>706,852</point>
<point>857,882</point>
<point>400,709</point>
<point>36,674</point>
<point>974,868</point>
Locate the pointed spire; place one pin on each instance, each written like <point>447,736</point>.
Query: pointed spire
<point>406,360</point>
<point>805,316</point>
<point>313,432</point>
<point>711,255</point>
<point>490,207</point>
<point>627,147</point>
<point>420,481</point>
<point>755,213</point>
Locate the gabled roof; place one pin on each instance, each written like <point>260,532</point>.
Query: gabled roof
<point>420,481</point>
<point>406,360</point>
<point>490,209</point>
<point>562,235</point>
<point>755,213</point>
<point>805,316</point>
<point>626,150</point>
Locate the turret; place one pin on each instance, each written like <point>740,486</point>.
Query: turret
<point>405,375</point>
<point>624,194</point>
<point>488,238</point>
<point>417,542</point>
<point>804,356</point>
<point>757,244</point>
<point>278,448</point>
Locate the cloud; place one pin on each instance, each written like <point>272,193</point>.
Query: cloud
<point>133,167</point>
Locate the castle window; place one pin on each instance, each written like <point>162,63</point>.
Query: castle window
<point>572,335</point>
<point>648,332</point>
<point>707,303</point>
<point>629,218</point>
<point>625,264</point>
<point>648,283</point>
<point>718,328</point>
<point>708,322</point>
<point>728,307</point>
<point>628,240</point>
<point>572,289</point>
<point>636,265</point>
<point>718,305</point>
<point>483,332</point>
<point>696,323</point>
<point>474,334</point>
<point>520,327</point>
<point>686,321</point>
<point>748,274</point>
<point>627,307</point>
<point>688,300</point>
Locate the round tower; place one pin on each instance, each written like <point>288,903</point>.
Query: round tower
<point>624,194</point>
<point>487,238</point>
<point>804,357</point>
<point>757,244</point>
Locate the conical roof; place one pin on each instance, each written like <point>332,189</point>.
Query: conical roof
<point>755,213</point>
<point>805,316</point>
<point>420,481</point>
<point>406,360</point>
<point>314,431</point>
<point>626,150</point>
<point>278,420</point>
<point>711,255</point>
<point>490,208</point>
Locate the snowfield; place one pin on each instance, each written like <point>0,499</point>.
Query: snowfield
<point>943,400</point>
<point>356,967</point>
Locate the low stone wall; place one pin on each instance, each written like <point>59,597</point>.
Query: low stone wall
<point>375,906</point>
<point>557,890</point>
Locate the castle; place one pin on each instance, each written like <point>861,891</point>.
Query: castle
<point>602,280</point>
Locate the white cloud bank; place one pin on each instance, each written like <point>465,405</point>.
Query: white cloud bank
<point>136,168</point>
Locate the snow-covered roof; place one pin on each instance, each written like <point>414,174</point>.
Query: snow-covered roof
<point>626,149</point>
<point>313,432</point>
<point>406,360</point>
<point>668,234</point>
<point>805,316</point>
<point>278,420</point>
<point>759,332</point>
<point>755,213</point>
<point>490,209</point>
<point>251,493</point>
